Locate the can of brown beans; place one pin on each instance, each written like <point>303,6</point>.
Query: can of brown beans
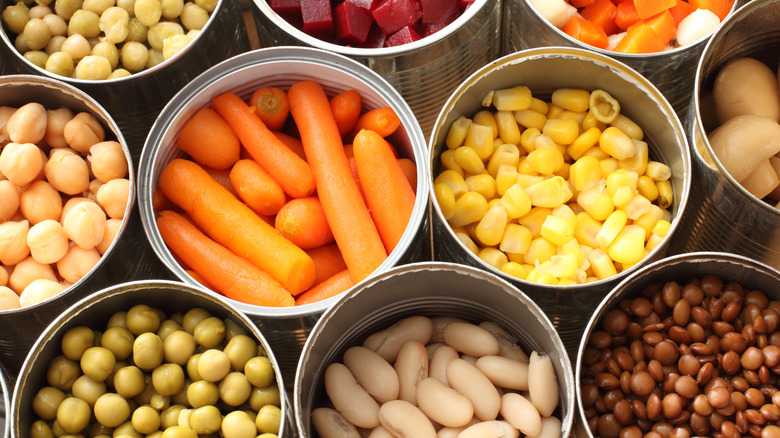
<point>414,308</point>
<point>686,345</point>
<point>728,212</point>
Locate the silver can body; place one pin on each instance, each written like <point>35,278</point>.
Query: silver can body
<point>723,215</point>
<point>543,70</point>
<point>425,72</point>
<point>5,389</point>
<point>429,289</point>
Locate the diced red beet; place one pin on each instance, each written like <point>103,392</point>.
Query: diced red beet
<point>439,11</point>
<point>464,4</point>
<point>365,4</point>
<point>431,28</point>
<point>375,40</point>
<point>405,35</point>
<point>392,15</point>
<point>351,22</point>
<point>317,17</point>
<point>285,7</point>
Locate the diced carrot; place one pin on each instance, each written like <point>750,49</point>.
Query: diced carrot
<point>602,12</point>
<point>648,8</point>
<point>640,38</point>
<point>680,11</point>
<point>626,14</point>
<point>663,26</point>
<point>581,3</point>
<point>585,31</point>
<point>721,8</point>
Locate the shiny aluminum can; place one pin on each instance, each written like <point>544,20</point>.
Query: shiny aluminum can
<point>426,71</point>
<point>285,328</point>
<point>723,216</point>
<point>5,390</point>
<point>429,289</point>
<point>544,70</point>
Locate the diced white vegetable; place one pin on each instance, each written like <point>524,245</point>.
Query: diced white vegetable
<point>614,39</point>
<point>696,25</point>
<point>557,12</point>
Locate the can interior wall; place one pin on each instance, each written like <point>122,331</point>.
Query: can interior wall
<point>543,70</point>
<point>5,407</point>
<point>424,72</point>
<point>430,289</point>
<point>723,216</point>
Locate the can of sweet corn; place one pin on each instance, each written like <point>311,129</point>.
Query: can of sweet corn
<point>541,72</point>
<point>425,71</point>
<point>723,214</point>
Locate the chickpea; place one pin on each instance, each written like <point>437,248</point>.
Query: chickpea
<point>10,196</point>
<point>137,31</point>
<point>13,242</point>
<point>84,22</point>
<point>27,124</point>
<point>111,410</point>
<point>46,401</point>
<point>145,419</point>
<point>16,16</point>
<point>9,300</point>
<point>39,11</point>
<point>162,30</point>
<point>57,26</point>
<point>73,415</point>
<point>114,196</point>
<point>194,16</point>
<point>107,160</point>
<point>109,235</point>
<point>47,241</point>
<point>175,44</point>
<point>88,389</point>
<point>36,34</point>
<point>238,424</point>
<point>21,163</point>
<point>76,46</point>
<point>66,8</point>
<point>72,202</point>
<point>19,44</point>
<point>155,58</point>
<point>127,5</point>
<point>83,131</point>
<point>97,6</point>
<point>60,63</point>
<point>55,123</point>
<point>28,270</point>
<point>85,224</point>
<point>134,56</point>
<point>119,73</point>
<point>67,171</point>
<point>77,263</point>
<point>93,68</point>
<point>107,50</point>
<point>171,9</point>
<point>37,57</point>
<point>115,24</point>
<point>40,202</point>
<point>148,12</point>
<point>55,44</point>
<point>208,5</point>
<point>3,276</point>
<point>119,340</point>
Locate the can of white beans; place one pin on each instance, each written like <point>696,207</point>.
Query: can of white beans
<point>440,292</point>
<point>425,71</point>
<point>724,215</point>
<point>150,310</point>
<point>543,71</point>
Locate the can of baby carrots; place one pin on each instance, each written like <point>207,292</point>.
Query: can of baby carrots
<point>729,214</point>
<point>286,328</point>
<point>424,71</point>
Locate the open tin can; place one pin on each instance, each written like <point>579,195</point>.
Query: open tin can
<point>5,388</point>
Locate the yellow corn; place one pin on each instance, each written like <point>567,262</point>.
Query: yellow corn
<point>658,171</point>
<point>572,248</point>
<point>563,172</point>
<point>534,219</point>
<point>496,143</point>
<point>512,99</point>
<point>527,180</point>
<point>562,131</point>
<point>611,228</point>
<point>622,196</point>
<point>545,160</point>
<point>596,202</point>
<point>445,199</point>
<point>557,229</point>
<point>565,212</point>
<point>493,202</point>
<point>628,126</point>
<point>515,269</point>
<point>457,132</point>
<point>617,143</point>
<point>636,207</point>
<point>549,193</point>
<point>596,152</point>
<point>487,100</point>
<point>486,118</point>
<point>468,159</point>
<point>468,208</point>
<point>665,194</point>
<point>628,246</point>
<point>648,220</point>
<point>653,241</point>
<point>505,177</point>
<point>604,107</point>
<point>535,276</point>
<point>545,141</point>
<point>493,257</point>
<point>559,266</point>
<point>647,188</point>
<point>585,263</point>
<point>587,140</point>
<point>448,161</point>
<point>508,131</point>
<point>574,116</point>
<point>584,172</point>
<point>621,178</point>
<point>661,228</point>
<point>524,167</point>
<point>638,162</point>
<point>527,138</point>
<point>531,119</point>
<point>491,227</point>
<point>572,99</point>
<point>539,105</point>
<point>608,165</point>
<point>466,240</point>
<point>540,250</point>
<point>554,111</point>
<point>601,264</point>
<point>516,239</point>
<point>480,138</point>
<point>667,215</point>
<point>483,184</point>
<point>505,154</point>
<point>516,201</point>
<point>567,282</point>
<point>454,180</point>
<point>590,121</point>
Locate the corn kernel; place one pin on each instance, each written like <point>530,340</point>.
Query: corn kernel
<point>647,188</point>
<point>540,250</point>
<point>466,240</point>
<point>628,246</point>
<point>468,208</point>
<point>604,107</point>
<point>572,248</point>
<point>535,276</point>
<point>572,99</point>
<point>587,140</point>
<point>608,165</point>
<point>628,126</point>
<point>567,282</point>
<point>516,239</point>
<point>480,138</point>
<point>559,266</point>
<point>528,180</point>
<point>611,228</point>
<point>636,207</point>
<point>616,143</point>
<point>549,193</point>
<point>585,264</point>
<point>493,202</point>
<point>531,119</point>
<point>596,202</point>
<point>658,171</point>
<point>504,154</point>
<point>590,121</point>
<point>491,227</point>
<point>516,201</point>
<point>445,199</point>
<point>493,257</point>
<point>486,118</point>
<point>468,159</point>
<point>448,161</point>
<point>527,138</point>
<point>586,230</point>
<point>554,111</point>
<point>515,270</point>
<point>512,99</point>
<point>557,230</point>
<point>648,220</point>
<point>508,131</point>
<point>638,162</point>
<point>653,241</point>
<point>661,228</point>
<point>487,99</point>
<point>596,152</point>
<point>496,143</point>
<point>575,116</point>
<point>534,219</point>
<point>483,184</point>
<point>621,178</point>
<point>457,132</point>
<point>584,172</point>
<point>454,180</point>
<point>622,196</point>
<point>545,160</point>
<point>565,212</point>
<point>539,105</point>
<point>525,168</point>
<point>563,172</point>
<point>562,131</point>
<point>505,177</point>
<point>601,264</point>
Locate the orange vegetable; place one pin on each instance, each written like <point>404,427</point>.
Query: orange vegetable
<point>585,31</point>
<point>228,221</point>
<point>384,121</point>
<point>222,176</point>
<point>328,288</point>
<point>602,12</point>
<point>353,168</point>
<point>681,10</point>
<point>648,8</point>
<point>209,140</point>
<point>581,3</point>
<point>640,38</point>
<point>291,142</point>
<point>256,188</point>
<point>410,170</point>
<point>349,219</point>
<point>721,8</point>
<point>346,108</point>
<point>287,168</point>
<point>389,196</point>
<point>328,260</point>
<point>195,276</point>
<point>626,14</point>
<point>229,274</point>
<point>663,26</point>
<point>303,222</point>
<point>270,104</point>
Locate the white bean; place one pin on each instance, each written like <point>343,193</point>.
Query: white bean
<point>504,372</point>
<point>470,339</point>
<point>411,368</point>
<point>329,423</point>
<point>443,404</point>
<point>453,432</point>
<point>542,384</point>
<point>521,413</point>
<point>507,344</point>
<point>387,343</point>
<point>349,398</point>
<point>490,429</point>
<point>373,373</point>
<point>440,359</point>
<point>380,432</point>
<point>551,428</point>
<point>439,323</point>
<point>470,382</point>
<point>404,420</point>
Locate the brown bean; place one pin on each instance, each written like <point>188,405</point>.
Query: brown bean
<point>688,365</point>
<point>682,312</point>
<point>701,406</point>
<point>679,335</point>
<point>711,285</point>
<point>671,293</point>
<point>770,412</point>
<point>718,397</point>
<point>701,316</point>
<point>752,359</point>
<point>696,331</point>
<point>733,342</point>
<point>600,339</point>
<point>731,311</point>
<point>631,432</point>
<point>656,370</point>
<point>730,363</point>
<point>642,383</point>
<point>720,328</point>
<point>641,307</point>
<point>615,322</point>
<point>608,426</point>
<point>700,424</point>
<point>654,406</point>
<point>686,387</point>
<point>670,379</point>
<point>692,293</point>
<point>589,393</point>
<point>665,352</point>
<point>770,432</point>
<point>672,405</point>
<point>754,397</point>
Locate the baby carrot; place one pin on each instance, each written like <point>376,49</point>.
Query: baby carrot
<point>349,219</point>
<point>353,169</point>
<point>389,196</point>
<point>222,176</point>
<point>328,288</point>
<point>195,276</point>
<point>209,140</point>
<point>410,170</point>
<point>229,274</point>
<point>328,260</point>
<point>271,106</point>
<point>303,222</point>
<point>256,188</point>
<point>383,120</point>
<point>227,220</point>
<point>291,142</point>
<point>287,168</point>
<point>346,108</point>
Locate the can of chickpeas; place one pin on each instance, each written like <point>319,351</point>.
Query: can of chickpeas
<point>131,57</point>
<point>151,356</point>
<point>668,367</point>
<point>43,270</point>
<point>521,224</point>
<point>442,308</point>
<point>734,207</point>
<point>416,68</point>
